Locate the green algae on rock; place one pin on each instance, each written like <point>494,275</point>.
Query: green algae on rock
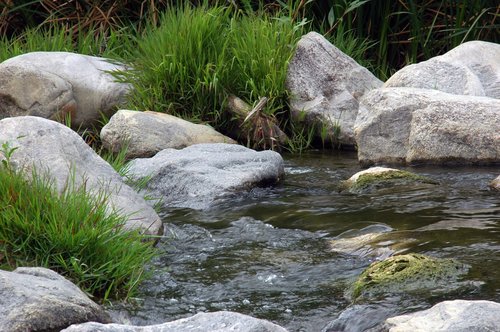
<point>376,178</point>
<point>406,273</point>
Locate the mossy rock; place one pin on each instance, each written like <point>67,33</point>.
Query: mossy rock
<point>376,178</point>
<point>407,273</point>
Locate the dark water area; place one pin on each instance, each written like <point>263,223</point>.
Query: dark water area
<point>287,254</point>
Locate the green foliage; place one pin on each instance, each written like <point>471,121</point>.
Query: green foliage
<point>197,57</point>
<point>114,44</point>
<point>260,48</point>
<point>72,233</point>
<point>178,65</point>
<point>405,31</point>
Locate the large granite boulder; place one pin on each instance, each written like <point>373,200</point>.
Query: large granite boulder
<point>472,68</point>
<point>38,299</point>
<point>58,85</point>
<point>411,126</point>
<point>408,273</point>
<point>56,150</point>
<point>449,316</point>
<point>197,176</point>
<point>377,178</point>
<point>326,86</point>
<point>221,321</point>
<point>146,133</point>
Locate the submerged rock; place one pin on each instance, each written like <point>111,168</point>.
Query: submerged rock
<point>196,176</point>
<point>57,151</point>
<point>146,133</point>
<point>58,85</point>
<point>38,299</point>
<point>377,241</point>
<point>221,321</point>
<point>495,184</point>
<point>449,316</point>
<point>376,178</point>
<point>407,273</point>
<point>421,126</point>
<point>326,86</point>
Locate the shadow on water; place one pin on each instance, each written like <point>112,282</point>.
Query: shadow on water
<point>287,254</point>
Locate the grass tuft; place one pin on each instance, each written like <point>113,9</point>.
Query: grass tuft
<point>72,233</point>
<point>197,56</point>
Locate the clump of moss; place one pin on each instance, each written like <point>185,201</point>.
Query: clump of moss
<point>408,272</point>
<point>383,178</point>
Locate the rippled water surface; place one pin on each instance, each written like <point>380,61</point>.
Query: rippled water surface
<point>286,254</point>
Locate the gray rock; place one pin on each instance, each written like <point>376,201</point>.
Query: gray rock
<point>495,184</point>
<point>28,90</point>
<point>222,321</point>
<point>38,299</point>
<point>472,68</point>
<point>450,316</point>
<point>146,133</point>
<point>58,151</point>
<point>196,176</point>
<point>407,125</point>
<point>77,85</point>
<point>326,86</point>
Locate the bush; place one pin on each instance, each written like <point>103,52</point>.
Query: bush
<point>71,233</point>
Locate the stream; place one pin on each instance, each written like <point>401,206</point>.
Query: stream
<point>275,253</point>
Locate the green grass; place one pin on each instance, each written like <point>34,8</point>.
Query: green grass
<point>115,44</point>
<point>178,65</point>
<point>71,233</point>
<point>197,57</point>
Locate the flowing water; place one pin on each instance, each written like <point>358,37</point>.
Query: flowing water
<point>287,254</point>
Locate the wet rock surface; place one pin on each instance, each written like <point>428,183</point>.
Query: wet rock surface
<point>197,176</point>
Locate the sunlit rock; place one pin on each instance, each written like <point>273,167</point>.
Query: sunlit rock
<point>220,321</point>
<point>472,68</point>
<point>325,86</point>
<point>422,126</point>
<point>60,85</point>
<point>408,273</point>
<point>449,316</point>
<point>495,184</point>
<point>38,299</point>
<point>146,133</point>
<point>377,178</point>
